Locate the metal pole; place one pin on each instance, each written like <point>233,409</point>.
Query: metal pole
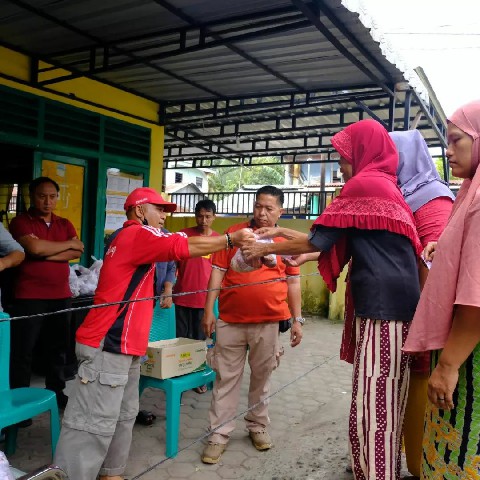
<point>446,171</point>
<point>407,106</point>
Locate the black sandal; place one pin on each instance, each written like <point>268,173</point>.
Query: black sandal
<point>145,417</point>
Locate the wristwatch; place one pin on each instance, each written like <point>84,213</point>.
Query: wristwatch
<point>300,320</point>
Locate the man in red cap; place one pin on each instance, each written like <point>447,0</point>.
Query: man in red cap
<point>97,426</point>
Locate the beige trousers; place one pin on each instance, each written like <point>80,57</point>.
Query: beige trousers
<point>234,342</point>
<point>98,421</point>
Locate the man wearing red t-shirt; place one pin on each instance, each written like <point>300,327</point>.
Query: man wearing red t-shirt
<point>192,275</point>
<point>98,421</point>
<point>42,286</point>
<point>248,324</point>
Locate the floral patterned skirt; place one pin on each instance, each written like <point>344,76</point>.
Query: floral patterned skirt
<point>451,442</point>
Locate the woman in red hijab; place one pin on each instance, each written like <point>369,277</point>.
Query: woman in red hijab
<point>370,224</point>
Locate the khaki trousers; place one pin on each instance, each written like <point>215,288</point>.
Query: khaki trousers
<point>98,421</point>
<point>234,342</point>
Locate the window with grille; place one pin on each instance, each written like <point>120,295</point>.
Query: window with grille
<point>199,182</point>
<point>178,177</point>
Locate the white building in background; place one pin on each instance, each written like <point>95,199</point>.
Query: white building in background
<point>182,176</point>
<point>193,181</point>
<point>309,172</point>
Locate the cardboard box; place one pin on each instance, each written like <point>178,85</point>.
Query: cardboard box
<point>175,357</point>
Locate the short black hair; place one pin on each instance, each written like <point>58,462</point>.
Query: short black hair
<point>271,190</point>
<point>206,204</point>
<point>34,184</point>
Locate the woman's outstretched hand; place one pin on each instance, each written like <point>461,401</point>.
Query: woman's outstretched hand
<point>269,232</point>
<point>254,250</point>
<point>295,260</point>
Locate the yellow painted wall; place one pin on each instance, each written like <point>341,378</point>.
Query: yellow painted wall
<point>315,295</point>
<point>70,180</point>
<point>156,158</point>
<point>16,67</point>
<point>336,310</point>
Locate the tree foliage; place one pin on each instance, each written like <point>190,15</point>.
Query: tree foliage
<point>439,164</point>
<point>230,179</point>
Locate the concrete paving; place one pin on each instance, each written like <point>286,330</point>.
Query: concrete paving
<point>308,411</point>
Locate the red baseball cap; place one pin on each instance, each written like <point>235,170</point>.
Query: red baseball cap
<point>143,195</point>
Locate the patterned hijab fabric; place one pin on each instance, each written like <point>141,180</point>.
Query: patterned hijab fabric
<point>417,175</point>
<point>454,278</point>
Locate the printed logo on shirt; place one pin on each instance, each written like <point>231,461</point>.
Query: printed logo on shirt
<point>159,233</point>
<point>111,251</point>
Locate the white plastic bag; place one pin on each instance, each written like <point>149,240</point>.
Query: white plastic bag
<point>5,472</point>
<point>73,282</point>
<point>86,281</point>
<point>240,264</point>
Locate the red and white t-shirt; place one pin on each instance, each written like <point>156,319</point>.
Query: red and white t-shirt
<point>193,274</point>
<point>128,274</point>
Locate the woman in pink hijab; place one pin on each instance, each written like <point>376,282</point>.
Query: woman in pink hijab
<point>447,319</point>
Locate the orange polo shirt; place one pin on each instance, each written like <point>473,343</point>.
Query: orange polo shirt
<point>256,303</point>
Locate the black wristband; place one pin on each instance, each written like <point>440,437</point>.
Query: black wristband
<point>229,240</point>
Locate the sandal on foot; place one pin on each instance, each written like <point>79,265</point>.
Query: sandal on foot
<point>200,390</point>
<point>145,417</point>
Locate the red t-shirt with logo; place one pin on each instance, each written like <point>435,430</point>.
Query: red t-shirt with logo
<point>38,278</point>
<point>127,274</point>
<point>193,274</point>
<point>256,303</point>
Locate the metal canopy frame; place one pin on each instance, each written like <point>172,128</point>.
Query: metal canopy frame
<point>234,81</point>
<point>201,135</point>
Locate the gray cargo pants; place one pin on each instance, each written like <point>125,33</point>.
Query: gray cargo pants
<point>97,425</point>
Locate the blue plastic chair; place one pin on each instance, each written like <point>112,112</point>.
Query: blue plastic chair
<point>20,404</point>
<point>163,324</point>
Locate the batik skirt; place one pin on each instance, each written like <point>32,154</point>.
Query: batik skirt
<point>451,442</point>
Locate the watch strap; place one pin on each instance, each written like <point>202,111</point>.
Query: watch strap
<point>300,320</point>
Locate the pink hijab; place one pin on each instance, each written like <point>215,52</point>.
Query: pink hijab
<point>455,275</point>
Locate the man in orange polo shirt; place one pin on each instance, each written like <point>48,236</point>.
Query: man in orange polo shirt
<point>249,320</point>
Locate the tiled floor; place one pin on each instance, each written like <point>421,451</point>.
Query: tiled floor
<point>308,415</point>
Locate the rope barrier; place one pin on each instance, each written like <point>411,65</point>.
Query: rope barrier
<point>207,434</point>
<point>155,297</point>
<point>145,299</point>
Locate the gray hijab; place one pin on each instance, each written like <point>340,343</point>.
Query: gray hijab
<point>417,175</point>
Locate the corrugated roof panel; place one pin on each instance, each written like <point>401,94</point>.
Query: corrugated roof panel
<point>297,55</point>
<point>266,49</point>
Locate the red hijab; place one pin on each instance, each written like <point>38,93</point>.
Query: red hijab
<point>370,200</point>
